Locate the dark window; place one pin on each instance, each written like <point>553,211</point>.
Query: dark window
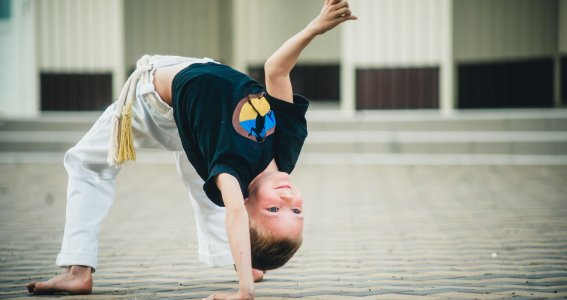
<point>62,92</point>
<point>316,82</point>
<point>514,84</point>
<point>397,88</point>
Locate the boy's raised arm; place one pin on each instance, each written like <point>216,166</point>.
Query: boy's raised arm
<point>279,65</point>
<point>237,230</point>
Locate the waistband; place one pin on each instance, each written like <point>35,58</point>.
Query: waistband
<point>146,88</point>
<point>139,83</point>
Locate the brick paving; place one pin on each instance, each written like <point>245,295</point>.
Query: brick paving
<point>373,232</point>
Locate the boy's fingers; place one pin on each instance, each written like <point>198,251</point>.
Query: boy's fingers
<point>349,17</point>
<point>345,11</point>
<point>338,4</point>
<point>340,20</point>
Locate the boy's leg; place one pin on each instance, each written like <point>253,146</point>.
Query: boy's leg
<point>209,218</point>
<point>90,192</point>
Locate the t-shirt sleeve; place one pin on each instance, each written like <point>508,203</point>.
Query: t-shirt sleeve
<point>211,189</point>
<point>291,130</point>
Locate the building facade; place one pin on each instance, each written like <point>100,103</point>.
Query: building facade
<point>68,55</point>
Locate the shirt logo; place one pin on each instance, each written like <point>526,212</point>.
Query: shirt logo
<point>253,118</point>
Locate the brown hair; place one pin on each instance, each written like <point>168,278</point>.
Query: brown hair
<point>269,253</point>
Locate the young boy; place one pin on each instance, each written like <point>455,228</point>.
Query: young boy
<point>241,139</point>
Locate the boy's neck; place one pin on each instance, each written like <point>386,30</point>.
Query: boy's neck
<point>272,167</point>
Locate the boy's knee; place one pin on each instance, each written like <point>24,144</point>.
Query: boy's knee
<point>77,162</point>
<point>70,159</point>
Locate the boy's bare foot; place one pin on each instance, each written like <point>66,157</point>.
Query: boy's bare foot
<point>76,280</point>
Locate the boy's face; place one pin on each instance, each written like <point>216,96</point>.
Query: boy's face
<point>276,204</point>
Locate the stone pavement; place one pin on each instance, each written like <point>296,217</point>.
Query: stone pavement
<point>392,232</point>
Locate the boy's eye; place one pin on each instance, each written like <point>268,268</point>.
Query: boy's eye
<point>273,209</point>
<point>296,211</point>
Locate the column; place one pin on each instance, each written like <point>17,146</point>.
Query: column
<point>348,74</point>
<point>18,75</point>
<point>448,74</point>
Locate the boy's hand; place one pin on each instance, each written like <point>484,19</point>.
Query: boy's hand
<point>334,12</point>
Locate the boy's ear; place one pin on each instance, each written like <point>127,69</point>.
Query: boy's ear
<point>245,201</point>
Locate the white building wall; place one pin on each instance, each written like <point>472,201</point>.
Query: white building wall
<point>18,77</point>
<point>81,36</point>
<point>78,35</point>
<point>264,25</point>
<point>398,32</point>
<point>176,27</point>
<point>504,29</point>
<point>97,36</point>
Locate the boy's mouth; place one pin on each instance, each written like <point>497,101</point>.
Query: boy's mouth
<point>285,186</point>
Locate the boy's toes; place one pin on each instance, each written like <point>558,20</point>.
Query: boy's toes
<point>41,288</point>
<point>31,287</point>
<point>36,288</point>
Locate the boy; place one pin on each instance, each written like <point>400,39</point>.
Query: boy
<point>238,136</point>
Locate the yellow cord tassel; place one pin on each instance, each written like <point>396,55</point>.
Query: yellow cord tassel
<point>126,150</point>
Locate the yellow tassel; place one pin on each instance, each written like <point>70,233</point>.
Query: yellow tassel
<point>126,150</point>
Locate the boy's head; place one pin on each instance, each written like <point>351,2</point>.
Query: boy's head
<point>275,209</point>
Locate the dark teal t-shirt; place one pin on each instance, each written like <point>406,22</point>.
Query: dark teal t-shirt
<point>229,124</point>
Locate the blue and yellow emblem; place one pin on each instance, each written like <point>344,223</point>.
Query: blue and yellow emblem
<point>253,118</point>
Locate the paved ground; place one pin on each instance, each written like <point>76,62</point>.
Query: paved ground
<point>393,232</point>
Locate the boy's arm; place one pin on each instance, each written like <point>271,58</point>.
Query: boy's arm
<point>279,65</point>
<point>238,236</point>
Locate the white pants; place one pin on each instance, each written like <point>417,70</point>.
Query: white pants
<point>91,186</point>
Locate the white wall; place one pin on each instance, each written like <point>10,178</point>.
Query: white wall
<point>18,77</point>
<point>504,29</point>
<point>177,27</point>
<point>264,25</point>
<point>398,32</point>
<point>77,35</point>
<point>81,36</point>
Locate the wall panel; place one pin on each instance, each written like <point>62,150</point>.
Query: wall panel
<point>269,23</point>
<point>397,88</point>
<point>316,82</point>
<point>79,38</point>
<point>504,29</point>
<point>73,92</point>
<point>78,35</point>
<point>518,84</point>
<point>398,32</point>
<point>175,27</point>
